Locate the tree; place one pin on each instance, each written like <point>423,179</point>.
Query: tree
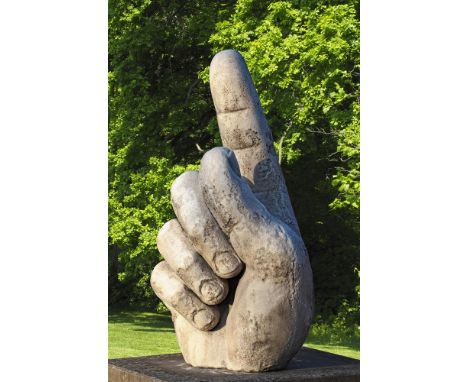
<point>304,60</point>
<point>159,112</point>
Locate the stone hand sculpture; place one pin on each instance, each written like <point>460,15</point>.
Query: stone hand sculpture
<point>236,275</point>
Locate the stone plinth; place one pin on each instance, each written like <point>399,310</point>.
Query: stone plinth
<point>307,365</point>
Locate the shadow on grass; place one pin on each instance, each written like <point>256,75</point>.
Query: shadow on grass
<point>147,322</point>
<point>330,338</point>
<point>321,336</point>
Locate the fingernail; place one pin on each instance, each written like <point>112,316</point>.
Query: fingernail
<point>204,320</point>
<point>227,265</point>
<point>212,291</point>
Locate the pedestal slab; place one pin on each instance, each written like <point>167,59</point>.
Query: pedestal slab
<point>307,365</point>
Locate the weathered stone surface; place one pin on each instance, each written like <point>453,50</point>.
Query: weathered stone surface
<point>235,215</point>
<point>201,227</point>
<point>307,365</point>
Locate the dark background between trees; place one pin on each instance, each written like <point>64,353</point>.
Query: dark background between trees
<point>304,60</point>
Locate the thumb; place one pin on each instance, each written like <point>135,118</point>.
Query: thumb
<point>252,230</point>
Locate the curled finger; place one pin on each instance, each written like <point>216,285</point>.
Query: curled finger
<point>191,268</point>
<point>172,291</point>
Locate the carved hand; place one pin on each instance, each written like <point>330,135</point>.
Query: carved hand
<point>236,274</point>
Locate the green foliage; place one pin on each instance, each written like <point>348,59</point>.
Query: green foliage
<point>135,218</point>
<point>304,60</point>
<point>305,66</point>
<point>346,180</point>
<point>159,111</point>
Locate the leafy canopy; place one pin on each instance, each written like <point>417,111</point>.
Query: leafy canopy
<point>304,60</point>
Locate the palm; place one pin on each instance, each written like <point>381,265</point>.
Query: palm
<point>235,212</point>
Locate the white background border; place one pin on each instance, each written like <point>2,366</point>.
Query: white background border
<point>414,190</point>
<point>53,158</point>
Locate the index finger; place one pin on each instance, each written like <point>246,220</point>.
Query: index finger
<point>244,130</point>
<point>241,121</point>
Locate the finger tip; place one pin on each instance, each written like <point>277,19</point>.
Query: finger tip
<point>206,319</point>
<point>182,185</point>
<point>230,82</point>
<point>213,158</point>
<point>228,56</point>
<point>225,65</point>
<point>159,277</point>
<point>159,267</point>
<point>228,265</point>
<point>213,292</point>
<point>184,179</point>
<point>166,232</point>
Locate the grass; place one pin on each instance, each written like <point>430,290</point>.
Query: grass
<point>133,334</point>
